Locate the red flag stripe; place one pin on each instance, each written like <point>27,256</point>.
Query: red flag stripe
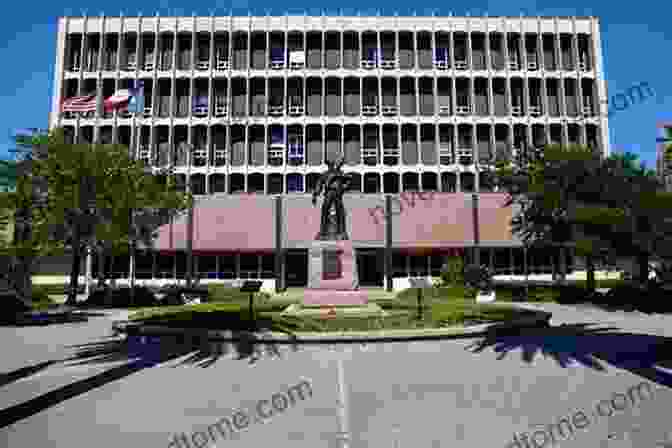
<point>80,104</point>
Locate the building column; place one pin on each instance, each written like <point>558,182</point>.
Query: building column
<point>388,244</point>
<point>279,259</point>
<point>512,261</point>
<point>237,258</point>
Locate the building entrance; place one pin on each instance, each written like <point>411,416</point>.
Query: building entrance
<point>370,267</point>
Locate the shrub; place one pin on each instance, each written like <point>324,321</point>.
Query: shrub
<point>478,277</point>
<point>121,297</point>
<point>451,272</point>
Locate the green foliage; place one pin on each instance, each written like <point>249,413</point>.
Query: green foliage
<point>452,272</point>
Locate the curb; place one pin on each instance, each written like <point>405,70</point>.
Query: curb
<point>132,329</point>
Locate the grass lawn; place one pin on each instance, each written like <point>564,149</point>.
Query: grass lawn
<point>442,307</point>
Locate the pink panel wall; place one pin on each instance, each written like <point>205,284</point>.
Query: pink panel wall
<point>494,219</point>
<point>440,219</point>
<point>245,223</point>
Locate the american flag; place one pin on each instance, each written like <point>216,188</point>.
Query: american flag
<point>80,104</point>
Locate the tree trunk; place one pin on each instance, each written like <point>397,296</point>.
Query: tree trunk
<point>74,271</point>
<point>643,268</point>
<point>590,270</point>
<point>101,265</point>
<point>562,265</point>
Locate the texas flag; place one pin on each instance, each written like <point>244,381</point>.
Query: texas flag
<point>118,100</point>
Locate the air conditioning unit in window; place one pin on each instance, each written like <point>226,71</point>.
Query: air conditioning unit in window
<point>444,110</point>
<point>516,111</point>
<point>369,110</point>
<point>535,111</point>
<point>461,65</point>
<point>297,60</point>
<point>220,111</point>
<point>147,113</point>
<point>532,65</point>
<point>441,64</point>
<point>203,65</point>
<point>200,111</point>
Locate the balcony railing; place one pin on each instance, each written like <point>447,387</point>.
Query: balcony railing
<point>203,65</point>
<point>147,112</point>
<point>391,155</point>
<point>535,111</point>
<point>390,110</point>
<point>200,110</point>
<point>220,156</point>
<point>200,157</point>
<point>295,108</point>
<point>463,110</point>
<point>388,64</point>
<point>587,110</point>
<point>465,156</point>
<point>369,110</point>
<point>276,110</point>
<point>370,156</point>
<point>446,154</point>
<point>221,110</point>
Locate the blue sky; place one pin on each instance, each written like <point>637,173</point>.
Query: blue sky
<point>636,38</point>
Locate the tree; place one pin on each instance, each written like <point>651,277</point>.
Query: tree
<point>629,212</point>
<point>91,192</point>
<point>544,187</point>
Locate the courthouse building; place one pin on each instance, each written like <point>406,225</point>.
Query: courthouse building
<point>412,104</point>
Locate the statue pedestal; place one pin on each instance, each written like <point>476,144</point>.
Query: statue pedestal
<point>332,265</point>
<point>332,276</point>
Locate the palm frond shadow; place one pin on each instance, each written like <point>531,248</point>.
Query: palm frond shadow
<point>200,351</point>
<point>587,345</point>
<point>135,354</point>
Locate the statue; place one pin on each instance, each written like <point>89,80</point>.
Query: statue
<point>332,184</point>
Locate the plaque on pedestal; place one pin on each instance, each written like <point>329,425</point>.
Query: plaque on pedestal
<point>332,268</point>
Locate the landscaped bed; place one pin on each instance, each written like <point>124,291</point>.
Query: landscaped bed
<point>443,307</point>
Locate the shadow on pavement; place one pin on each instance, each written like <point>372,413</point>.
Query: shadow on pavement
<point>137,353</point>
<point>648,356</point>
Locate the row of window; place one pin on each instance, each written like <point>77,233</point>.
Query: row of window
<point>331,50</point>
<point>389,144</point>
<point>368,183</point>
<point>260,97</point>
<point>150,265</point>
